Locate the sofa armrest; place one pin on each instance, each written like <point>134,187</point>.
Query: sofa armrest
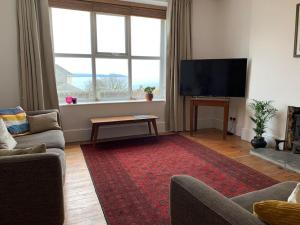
<point>31,190</point>
<point>40,112</point>
<point>193,202</point>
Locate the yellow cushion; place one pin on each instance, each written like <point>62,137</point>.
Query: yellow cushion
<point>277,212</point>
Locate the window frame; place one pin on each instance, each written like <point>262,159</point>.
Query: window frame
<point>94,55</point>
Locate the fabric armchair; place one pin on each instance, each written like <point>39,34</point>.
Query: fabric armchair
<point>31,190</point>
<point>31,186</point>
<point>193,202</point>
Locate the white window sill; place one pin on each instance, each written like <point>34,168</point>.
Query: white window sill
<point>112,102</point>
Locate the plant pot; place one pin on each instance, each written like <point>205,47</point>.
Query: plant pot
<point>149,97</point>
<point>258,142</point>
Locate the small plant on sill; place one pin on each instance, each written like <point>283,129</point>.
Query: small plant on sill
<point>149,93</point>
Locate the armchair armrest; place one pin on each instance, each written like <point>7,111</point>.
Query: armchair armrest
<point>40,112</point>
<point>193,202</point>
<point>31,190</point>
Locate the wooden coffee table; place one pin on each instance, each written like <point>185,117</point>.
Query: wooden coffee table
<point>97,122</point>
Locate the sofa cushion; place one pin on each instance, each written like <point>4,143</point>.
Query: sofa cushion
<point>15,120</point>
<point>6,140</point>
<point>51,138</point>
<point>33,150</point>
<point>274,212</point>
<point>43,122</point>
<point>61,155</point>
<point>295,196</point>
<point>279,192</point>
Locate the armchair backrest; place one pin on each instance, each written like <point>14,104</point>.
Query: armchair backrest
<point>193,202</point>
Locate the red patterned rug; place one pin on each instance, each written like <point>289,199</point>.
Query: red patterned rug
<point>132,177</point>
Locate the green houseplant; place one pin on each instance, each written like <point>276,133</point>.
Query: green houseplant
<point>264,111</point>
<point>149,93</point>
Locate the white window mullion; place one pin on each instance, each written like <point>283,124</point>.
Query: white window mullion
<point>69,55</point>
<point>146,57</point>
<point>162,79</point>
<point>94,52</point>
<point>128,47</point>
<point>111,56</point>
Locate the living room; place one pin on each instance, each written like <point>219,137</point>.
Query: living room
<point>125,176</point>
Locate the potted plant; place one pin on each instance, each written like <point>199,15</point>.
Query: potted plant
<point>149,93</point>
<point>264,111</point>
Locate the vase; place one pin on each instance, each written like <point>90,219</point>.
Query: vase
<point>69,100</point>
<point>258,142</point>
<point>149,97</point>
<point>74,100</point>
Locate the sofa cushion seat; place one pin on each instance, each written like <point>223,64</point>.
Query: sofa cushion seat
<point>61,155</point>
<point>51,138</point>
<point>279,192</point>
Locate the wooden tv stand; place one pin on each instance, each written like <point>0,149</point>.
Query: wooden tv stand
<point>195,102</point>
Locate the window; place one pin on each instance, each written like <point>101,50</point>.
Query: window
<point>102,57</point>
<point>145,36</point>
<point>111,34</point>
<point>68,38</point>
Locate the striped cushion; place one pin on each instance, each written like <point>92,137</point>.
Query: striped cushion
<point>15,120</point>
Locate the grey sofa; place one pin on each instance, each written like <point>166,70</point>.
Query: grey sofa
<point>195,203</point>
<point>31,186</point>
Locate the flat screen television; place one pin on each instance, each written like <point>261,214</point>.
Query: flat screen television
<point>213,77</point>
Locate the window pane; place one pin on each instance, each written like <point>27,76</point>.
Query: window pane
<point>71,31</point>
<point>145,36</point>
<point>74,78</point>
<point>111,34</point>
<point>145,73</point>
<point>112,79</point>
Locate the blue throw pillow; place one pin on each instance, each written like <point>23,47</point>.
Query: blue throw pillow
<point>15,120</point>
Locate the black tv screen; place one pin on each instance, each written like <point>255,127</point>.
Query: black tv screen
<point>213,77</point>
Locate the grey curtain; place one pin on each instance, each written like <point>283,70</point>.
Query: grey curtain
<point>37,77</point>
<point>179,48</point>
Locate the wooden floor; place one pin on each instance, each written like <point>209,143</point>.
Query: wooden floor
<point>81,203</point>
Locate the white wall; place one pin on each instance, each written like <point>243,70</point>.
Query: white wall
<point>77,125</point>
<point>205,44</point>
<point>274,72</point>
<point>208,35</point>
<point>221,30</point>
<point>206,25</point>
<point>235,32</point>
<point>75,118</point>
<point>262,31</point>
<point>206,29</point>
<point>9,65</point>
